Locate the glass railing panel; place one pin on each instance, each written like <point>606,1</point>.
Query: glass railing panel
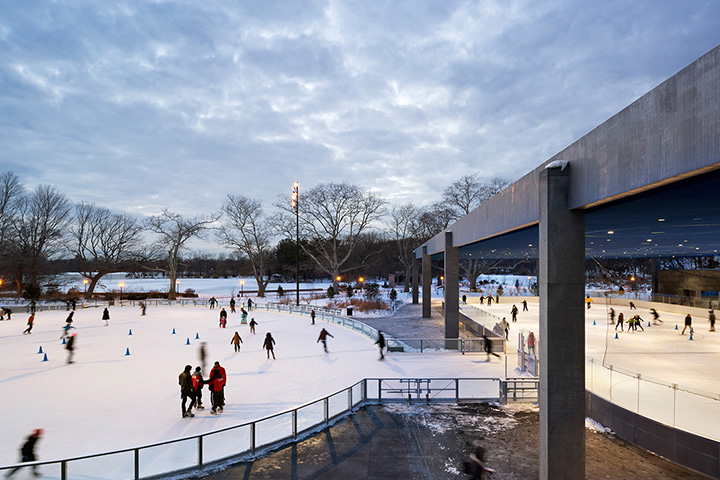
<point>226,443</point>
<point>273,429</point>
<point>49,471</point>
<point>338,403</point>
<point>624,390</point>
<point>118,466</point>
<point>310,416</point>
<point>697,414</point>
<point>656,401</point>
<point>601,380</point>
<point>357,393</point>
<point>474,389</point>
<point>172,456</point>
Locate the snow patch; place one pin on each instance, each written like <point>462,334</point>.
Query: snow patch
<point>591,424</point>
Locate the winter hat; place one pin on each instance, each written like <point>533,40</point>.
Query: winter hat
<point>197,369</point>
<point>37,432</point>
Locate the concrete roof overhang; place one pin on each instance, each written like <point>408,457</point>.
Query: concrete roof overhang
<point>650,175</point>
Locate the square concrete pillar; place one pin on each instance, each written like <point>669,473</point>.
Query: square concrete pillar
<point>562,330</point>
<point>452,288</point>
<point>414,274</point>
<point>426,282</point>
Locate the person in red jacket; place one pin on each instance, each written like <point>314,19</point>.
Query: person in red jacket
<point>30,324</point>
<point>197,380</point>
<point>216,382</point>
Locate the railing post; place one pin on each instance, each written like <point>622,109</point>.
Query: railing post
<point>326,407</point>
<point>137,464</point>
<point>639,378</point>
<point>294,424</point>
<point>252,437</point>
<point>421,345</point>
<point>350,399</point>
<point>63,470</point>
<point>674,387</point>
<point>200,451</point>
<point>611,384</point>
<point>457,390</point>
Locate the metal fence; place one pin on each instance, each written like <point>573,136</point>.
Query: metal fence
<point>253,439</point>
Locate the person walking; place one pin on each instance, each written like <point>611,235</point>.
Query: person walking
<point>269,345</point>
<point>688,323</point>
<point>381,344</point>
<point>524,303</point>
<point>312,317</point>
<point>323,338</point>
<point>197,380</point>
<point>223,318</point>
<point>711,319</point>
<point>106,316</point>
<point>27,452</point>
<point>514,313</point>
<point>488,347</point>
<point>70,346</point>
<point>620,321</point>
<point>30,323</point>
<point>253,323</point>
<point>232,305</point>
<point>236,340</point>
<point>187,390</point>
<point>216,383</point>
<point>531,343</point>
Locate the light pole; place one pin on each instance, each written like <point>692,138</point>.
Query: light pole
<point>121,286</point>
<point>177,286</point>
<point>85,282</point>
<point>296,206</point>
<point>242,288</point>
<point>360,281</point>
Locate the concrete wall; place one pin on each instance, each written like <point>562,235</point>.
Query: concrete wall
<point>698,453</point>
<point>675,282</point>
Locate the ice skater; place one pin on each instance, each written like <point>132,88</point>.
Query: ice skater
<point>203,355</point>
<point>269,345</point>
<point>489,299</point>
<point>8,312</point>
<point>69,318</point>
<point>30,323</point>
<point>243,316</point>
<point>711,319</point>
<point>525,309</point>
<point>213,302</point>
<point>66,330</point>
<point>482,299</point>
<point>223,318</point>
<point>312,317</point>
<point>216,382</point>
<point>488,347</point>
<point>530,342</point>
<point>253,323</point>
<point>688,323</point>
<point>106,316</point>
<point>464,299</point>
<point>621,319</point>
<point>514,313</point>
<point>27,451</point>
<point>611,313</point>
<point>187,390</point>
<point>70,346</point>
<point>637,322</point>
<point>506,328</point>
<point>197,380</point>
<point>656,316</point>
<point>588,301</point>
<point>236,341</point>
<point>143,307</point>
<point>323,338</point>
<point>381,344</point>
<point>232,305</point>
<point>250,304</point>
<point>632,306</point>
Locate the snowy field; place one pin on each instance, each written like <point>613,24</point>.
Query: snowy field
<point>107,400</point>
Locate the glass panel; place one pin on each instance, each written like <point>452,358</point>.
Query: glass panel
<point>310,416</point>
<point>273,429</point>
<point>624,391</point>
<point>601,380</point>
<point>478,389</point>
<point>50,471</point>
<point>338,403</point>
<point>165,458</point>
<point>694,413</point>
<point>114,466</point>
<point>225,444</point>
<point>656,402</point>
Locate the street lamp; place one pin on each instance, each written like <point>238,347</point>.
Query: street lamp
<point>295,202</point>
<point>360,281</point>
<point>85,282</point>
<point>242,288</point>
<point>121,287</point>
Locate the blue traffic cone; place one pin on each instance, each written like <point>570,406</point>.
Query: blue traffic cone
<point>45,358</point>
<point>40,349</point>
<point>63,340</point>
<point>691,335</point>
<point>676,326</point>
<point>188,341</point>
<point>173,331</point>
<point>649,324</point>
<point>127,351</point>
<point>593,322</point>
<point>130,332</point>
<point>616,336</point>
<point>197,336</point>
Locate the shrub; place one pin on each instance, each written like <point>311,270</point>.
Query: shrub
<point>393,295</point>
<point>190,293</point>
<point>280,292</point>
<point>349,291</point>
<point>330,292</point>
<point>372,291</point>
<point>360,305</point>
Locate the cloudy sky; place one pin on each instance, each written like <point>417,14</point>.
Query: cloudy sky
<point>139,106</point>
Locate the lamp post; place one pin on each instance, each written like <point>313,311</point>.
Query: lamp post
<point>296,207</point>
<point>85,282</point>
<point>360,281</point>
<point>177,286</point>
<point>121,287</point>
<point>242,288</point>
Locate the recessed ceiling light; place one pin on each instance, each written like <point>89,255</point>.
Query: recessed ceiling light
<point>661,219</point>
<point>610,232</point>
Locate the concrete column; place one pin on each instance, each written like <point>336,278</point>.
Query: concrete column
<point>415,274</point>
<point>562,330</point>
<point>452,288</point>
<point>426,282</point>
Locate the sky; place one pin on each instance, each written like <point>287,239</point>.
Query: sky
<point>139,106</point>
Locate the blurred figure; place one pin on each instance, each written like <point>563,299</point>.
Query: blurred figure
<point>323,338</point>
<point>106,316</point>
<point>656,316</point>
<point>252,325</point>
<point>203,355</point>
<point>688,323</point>
<point>70,346</point>
<point>488,347</point>
<point>269,345</point>
<point>476,467</point>
<point>28,452</point>
<point>711,319</point>
<point>531,343</point>
<point>31,322</point>
<point>381,344</point>
<point>143,307</point>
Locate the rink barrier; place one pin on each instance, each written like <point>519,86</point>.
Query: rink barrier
<point>218,449</point>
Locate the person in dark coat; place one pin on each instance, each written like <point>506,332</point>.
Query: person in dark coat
<point>525,309</point>
<point>69,318</point>
<point>656,316</point>
<point>381,344</point>
<point>312,317</point>
<point>323,338</point>
<point>232,305</point>
<point>187,390</point>
<point>106,316</point>
<point>250,304</point>
<point>198,380</point>
<point>476,467</point>
<point>611,313</point>
<point>514,313</point>
<point>223,317</point>
<point>216,383</point>
<point>70,346</point>
<point>253,323</point>
<point>688,323</point>
<point>28,452</point>
<point>488,347</point>
<point>711,319</point>
<point>621,319</point>
<point>31,322</point>
<point>269,345</point>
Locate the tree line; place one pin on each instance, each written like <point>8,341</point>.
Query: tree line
<point>344,230</point>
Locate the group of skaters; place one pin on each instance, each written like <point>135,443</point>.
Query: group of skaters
<point>635,321</point>
<point>224,315</point>
<point>213,302</point>
<point>191,386</point>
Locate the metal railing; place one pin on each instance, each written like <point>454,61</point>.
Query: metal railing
<point>253,439</point>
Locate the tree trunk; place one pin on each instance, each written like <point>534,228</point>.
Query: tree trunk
<point>408,278</point>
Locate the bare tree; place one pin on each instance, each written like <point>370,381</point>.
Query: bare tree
<point>247,231</point>
<point>434,219</point>
<point>37,233</point>
<point>11,192</point>
<point>174,231</point>
<point>469,192</point>
<point>103,242</point>
<point>405,228</point>
<point>333,218</point>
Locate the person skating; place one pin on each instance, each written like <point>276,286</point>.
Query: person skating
<point>8,312</point>
<point>632,306</point>
<point>143,308</point>
<point>232,305</point>
<point>637,322</point>
<point>323,338</point>
<point>30,323</point>
<point>381,344</point>
<point>531,343</point>
<point>611,313</point>
<point>187,390</point>
<point>253,323</point>
<point>656,316</point>
<point>250,304</point>
<point>106,316</point>
<point>588,301</point>
<point>213,302</point>
<point>621,319</point>
<point>524,303</point>
<point>464,299</point>
<point>69,318</point>
<point>506,328</point>
<point>70,346</point>
<point>487,346</point>
<point>236,341</point>
<point>312,317</point>
<point>514,313</point>
<point>269,344</point>
<point>27,452</point>
<point>203,355</point>
<point>243,316</point>
<point>197,379</point>
<point>688,323</point>
<point>215,383</point>
<point>66,330</point>
<point>711,319</point>
<point>482,299</point>
<point>476,467</point>
<point>490,300</point>
<point>223,318</point>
